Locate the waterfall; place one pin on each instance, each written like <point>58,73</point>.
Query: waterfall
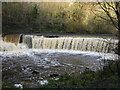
<point>27,39</point>
<point>12,38</point>
<point>6,46</point>
<point>63,43</point>
<point>79,44</point>
<point>11,43</point>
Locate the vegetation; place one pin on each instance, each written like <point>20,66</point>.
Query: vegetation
<point>7,85</point>
<point>53,17</point>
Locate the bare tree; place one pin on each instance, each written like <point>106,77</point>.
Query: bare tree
<point>112,10</point>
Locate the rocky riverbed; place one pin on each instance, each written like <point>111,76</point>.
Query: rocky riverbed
<point>34,67</point>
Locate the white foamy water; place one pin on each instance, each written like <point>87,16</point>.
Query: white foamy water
<point>7,46</point>
<point>77,44</point>
<point>31,52</point>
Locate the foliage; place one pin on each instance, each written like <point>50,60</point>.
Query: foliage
<point>112,10</point>
<point>34,15</point>
<point>6,85</point>
<point>53,18</point>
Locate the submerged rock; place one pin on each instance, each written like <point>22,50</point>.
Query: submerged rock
<point>35,72</point>
<point>53,75</point>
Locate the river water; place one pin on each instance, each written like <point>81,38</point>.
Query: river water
<point>38,59</point>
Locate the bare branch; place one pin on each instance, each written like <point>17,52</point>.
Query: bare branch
<point>105,19</point>
<point>106,10</point>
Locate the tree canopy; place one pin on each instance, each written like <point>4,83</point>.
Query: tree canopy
<point>53,17</point>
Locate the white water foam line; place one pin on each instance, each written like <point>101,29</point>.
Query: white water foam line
<point>7,47</point>
<point>31,52</point>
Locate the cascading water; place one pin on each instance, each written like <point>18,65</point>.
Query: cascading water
<point>12,39</point>
<point>63,43</point>
<point>4,46</point>
<point>11,43</point>
<point>79,44</point>
<point>27,39</point>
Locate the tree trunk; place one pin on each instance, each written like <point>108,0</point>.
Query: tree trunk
<point>118,17</point>
<point>118,62</point>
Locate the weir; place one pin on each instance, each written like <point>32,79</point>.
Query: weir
<point>65,43</point>
<point>75,43</point>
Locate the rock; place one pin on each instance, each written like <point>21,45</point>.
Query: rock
<point>53,75</point>
<point>35,72</point>
<point>43,82</point>
<point>56,79</point>
<point>46,66</point>
<point>18,86</point>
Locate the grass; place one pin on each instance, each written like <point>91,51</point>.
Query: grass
<point>87,79</point>
<point>7,85</point>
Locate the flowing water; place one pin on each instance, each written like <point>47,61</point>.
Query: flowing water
<point>93,44</point>
<point>31,59</point>
<point>12,39</point>
<point>70,43</point>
